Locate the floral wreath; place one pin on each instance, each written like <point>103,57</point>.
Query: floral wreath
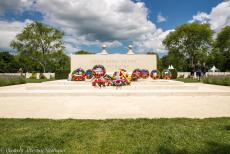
<point>89,74</point>
<point>144,74</point>
<point>166,74</point>
<point>155,74</point>
<point>99,71</point>
<point>136,74</point>
<point>78,75</point>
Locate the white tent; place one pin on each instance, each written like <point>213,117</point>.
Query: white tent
<point>170,67</point>
<point>214,69</point>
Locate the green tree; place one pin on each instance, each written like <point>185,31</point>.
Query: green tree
<point>189,42</point>
<point>221,50</point>
<point>8,63</point>
<point>38,41</point>
<point>82,52</point>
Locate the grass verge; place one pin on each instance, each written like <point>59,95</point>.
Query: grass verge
<point>179,136</point>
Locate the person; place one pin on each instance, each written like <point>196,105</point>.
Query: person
<point>198,70</point>
<point>204,69</point>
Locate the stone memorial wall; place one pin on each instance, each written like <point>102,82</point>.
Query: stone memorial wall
<point>113,62</point>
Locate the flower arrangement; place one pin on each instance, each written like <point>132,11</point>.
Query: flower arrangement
<point>99,71</point>
<point>78,75</point>
<point>166,74</point>
<point>144,73</point>
<point>89,74</point>
<point>136,75</point>
<point>155,74</point>
<point>121,78</point>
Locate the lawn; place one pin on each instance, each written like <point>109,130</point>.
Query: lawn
<point>163,136</point>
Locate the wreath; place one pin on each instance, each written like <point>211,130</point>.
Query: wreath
<point>99,71</point>
<point>99,82</point>
<point>136,75</point>
<point>120,78</point>
<point>155,74</point>
<point>144,74</point>
<point>89,74</point>
<point>166,74</point>
<point>78,75</point>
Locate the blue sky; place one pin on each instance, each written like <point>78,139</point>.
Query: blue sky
<point>117,23</point>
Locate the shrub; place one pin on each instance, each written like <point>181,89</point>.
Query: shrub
<point>174,73</point>
<point>62,74</point>
<point>218,80</point>
<point>6,80</point>
<point>33,76</point>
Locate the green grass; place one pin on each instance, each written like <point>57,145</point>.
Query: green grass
<point>188,80</point>
<point>163,136</point>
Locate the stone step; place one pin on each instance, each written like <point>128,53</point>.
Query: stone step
<point>140,82</point>
<point>131,87</point>
<point>107,92</point>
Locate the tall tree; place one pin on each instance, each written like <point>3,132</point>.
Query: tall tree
<point>189,41</point>
<point>8,63</point>
<point>222,49</point>
<point>38,41</point>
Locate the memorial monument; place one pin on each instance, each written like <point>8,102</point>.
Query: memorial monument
<point>112,62</point>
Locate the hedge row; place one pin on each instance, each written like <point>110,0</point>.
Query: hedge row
<point>218,80</point>
<point>6,80</point>
<point>62,74</point>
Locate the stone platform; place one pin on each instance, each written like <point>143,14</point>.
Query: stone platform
<point>63,99</point>
<point>84,88</point>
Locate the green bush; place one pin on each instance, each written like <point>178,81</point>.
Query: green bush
<point>6,80</point>
<point>33,76</point>
<point>62,74</point>
<point>218,80</point>
<point>174,73</point>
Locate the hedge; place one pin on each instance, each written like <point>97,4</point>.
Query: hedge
<point>217,80</point>
<point>62,74</point>
<point>6,80</point>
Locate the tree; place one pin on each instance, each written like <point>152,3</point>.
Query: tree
<point>38,41</point>
<point>221,49</point>
<point>189,42</point>
<point>82,52</point>
<point>8,63</point>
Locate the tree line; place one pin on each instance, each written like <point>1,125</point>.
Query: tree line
<point>193,43</point>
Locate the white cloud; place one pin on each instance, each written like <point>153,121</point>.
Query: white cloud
<point>218,18</point>
<point>93,22</point>
<point>161,18</point>
<point>152,42</point>
<point>201,17</point>
<point>8,31</point>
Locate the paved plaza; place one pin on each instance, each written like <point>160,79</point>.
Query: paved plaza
<point>63,99</point>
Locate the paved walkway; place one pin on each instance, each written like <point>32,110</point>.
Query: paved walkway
<point>104,107</point>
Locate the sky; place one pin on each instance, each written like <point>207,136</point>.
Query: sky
<point>88,24</point>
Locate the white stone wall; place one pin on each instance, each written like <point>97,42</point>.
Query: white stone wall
<point>28,75</point>
<point>113,62</point>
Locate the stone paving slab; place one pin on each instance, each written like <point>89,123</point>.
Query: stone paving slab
<point>150,100</point>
